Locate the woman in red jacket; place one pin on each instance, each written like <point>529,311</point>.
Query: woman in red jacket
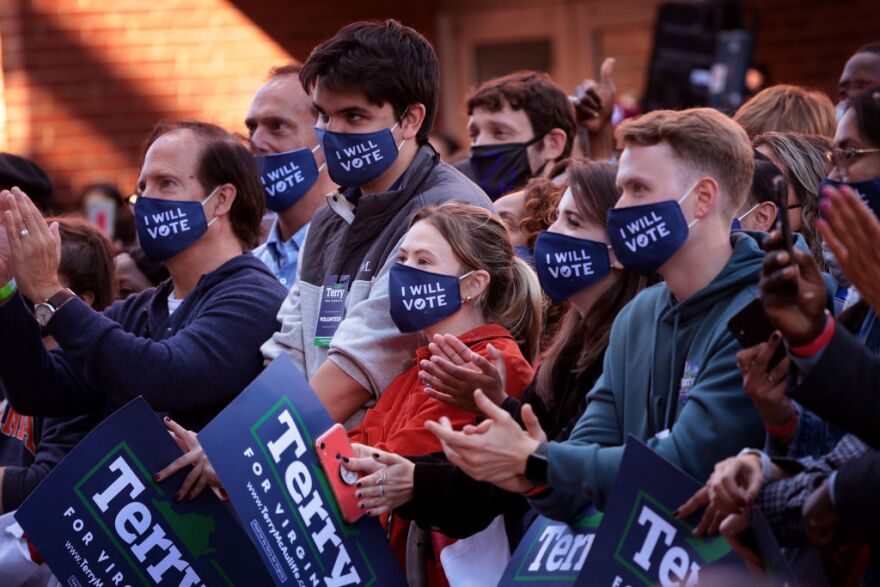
<point>456,274</point>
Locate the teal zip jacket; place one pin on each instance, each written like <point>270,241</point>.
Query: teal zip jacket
<point>670,378</point>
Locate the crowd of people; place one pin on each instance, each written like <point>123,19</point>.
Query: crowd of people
<point>589,269</point>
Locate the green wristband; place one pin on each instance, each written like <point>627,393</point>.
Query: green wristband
<point>7,290</point>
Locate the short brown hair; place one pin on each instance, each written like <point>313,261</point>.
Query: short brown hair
<point>704,138</point>
<point>785,108</point>
<point>225,159</point>
<point>86,262</point>
<point>544,102</point>
<point>384,61</point>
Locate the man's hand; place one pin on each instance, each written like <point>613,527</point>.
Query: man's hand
<point>734,484</point>
<point>595,103</point>
<point>793,294</point>
<point>454,372</point>
<point>852,231</point>
<point>497,449</point>
<point>35,247</point>
<point>766,389</point>
<point>820,516</point>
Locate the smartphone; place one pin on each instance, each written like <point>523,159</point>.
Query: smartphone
<point>331,447</point>
<point>780,198</point>
<point>751,326</point>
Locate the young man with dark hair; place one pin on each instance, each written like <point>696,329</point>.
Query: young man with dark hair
<point>280,123</point>
<point>188,346</point>
<point>520,125</point>
<point>375,88</point>
<point>670,375</point>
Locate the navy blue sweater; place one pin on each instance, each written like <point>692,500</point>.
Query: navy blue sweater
<point>189,365</point>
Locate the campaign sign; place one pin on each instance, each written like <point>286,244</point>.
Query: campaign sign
<point>640,541</point>
<point>262,447</point>
<point>100,519</point>
<point>551,552</point>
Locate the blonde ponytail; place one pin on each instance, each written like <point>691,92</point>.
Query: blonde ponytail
<point>522,314</point>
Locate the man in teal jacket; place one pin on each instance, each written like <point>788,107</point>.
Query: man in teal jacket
<point>670,376</point>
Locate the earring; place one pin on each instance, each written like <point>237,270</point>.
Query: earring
<point>468,298</point>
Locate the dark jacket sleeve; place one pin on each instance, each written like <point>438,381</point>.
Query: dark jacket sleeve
<point>446,499</point>
<point>855,493</point>
<point>208,362</point>
<point>843,387</point>
<point>39,382</point>
<point>58,437</point>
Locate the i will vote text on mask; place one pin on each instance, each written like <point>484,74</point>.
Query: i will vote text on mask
<point>569,264</point>
<point>428,295</point>
<point>167,223</point>
<point>359,156</point>
<point>644,231</point>
<point>282,178</point>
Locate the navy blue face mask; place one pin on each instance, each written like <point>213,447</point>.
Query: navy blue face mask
<point>420,298</point>
<point>287,177</point>
<point>645,237</point>
<point>502,168</point>
<point>868,191</point>
<point>166,228</point>
<point>567,265</point>
<point>354,159</point>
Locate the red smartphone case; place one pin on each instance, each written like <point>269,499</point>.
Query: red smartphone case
<point>331,447</point>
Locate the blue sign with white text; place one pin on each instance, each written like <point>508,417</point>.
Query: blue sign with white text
<point>642,543</point>
<point>552,553</point>
<point>262,447</point>
<point>100,519</point>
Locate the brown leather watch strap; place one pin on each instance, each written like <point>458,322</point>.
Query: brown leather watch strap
<point>61,298</point>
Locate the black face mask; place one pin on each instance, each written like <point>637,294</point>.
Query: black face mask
<point>500,169</point>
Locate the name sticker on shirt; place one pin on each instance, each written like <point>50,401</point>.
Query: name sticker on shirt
<point>688,378</point>
<point>332,309</point>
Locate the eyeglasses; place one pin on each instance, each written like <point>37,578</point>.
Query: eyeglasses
<point>842,158</point>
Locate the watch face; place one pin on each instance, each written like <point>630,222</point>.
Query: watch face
<point>43,312</point>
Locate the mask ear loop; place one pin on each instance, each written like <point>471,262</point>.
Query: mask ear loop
<point>752,209</point>
<point>466,299</point>
<point>685,197</point>
<point>396,124</point>
<point>205,201</point>
<point>324,164</point>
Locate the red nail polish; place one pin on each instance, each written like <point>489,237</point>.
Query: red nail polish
<point>156,477</point>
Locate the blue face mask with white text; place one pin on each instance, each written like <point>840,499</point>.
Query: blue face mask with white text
<point>287,177</point>
<point>354,159</point>
<point>166,228</point>
<point>868,191</point>
<point>420,299</point>
<point>645,237</point>
<point>567,265</point>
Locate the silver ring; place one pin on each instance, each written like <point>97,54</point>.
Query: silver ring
<point>24,233</point>
<point>381,491</point>
<point>381,478</point>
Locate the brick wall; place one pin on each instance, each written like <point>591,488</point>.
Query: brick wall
<point>807,42</point>
<point>84,80</point>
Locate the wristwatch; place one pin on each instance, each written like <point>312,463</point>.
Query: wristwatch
<point>44,311</point>
<point>536,465</point>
